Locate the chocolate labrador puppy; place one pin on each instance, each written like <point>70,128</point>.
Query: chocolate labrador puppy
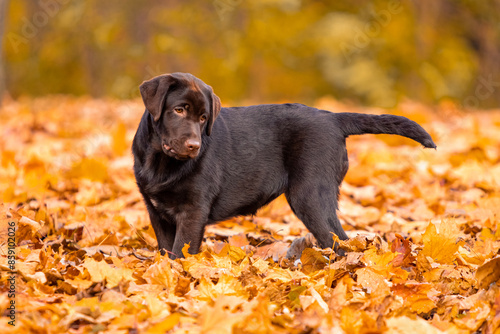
<point>197,163</point>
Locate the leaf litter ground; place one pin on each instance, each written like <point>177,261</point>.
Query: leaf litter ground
<point>423,255</point>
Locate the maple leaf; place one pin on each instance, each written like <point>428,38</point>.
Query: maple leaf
<point>236,254</point>
<point>161,273</point>
<point>101,271</point>
<point>418,297</point>
<point>489,272</point>
<point>226,286</point>
<point>443,244</point>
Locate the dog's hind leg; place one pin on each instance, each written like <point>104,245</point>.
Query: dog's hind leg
<point>316,206</point>
<point>312,193</point>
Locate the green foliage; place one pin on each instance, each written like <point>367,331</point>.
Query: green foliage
<point>373,52</point>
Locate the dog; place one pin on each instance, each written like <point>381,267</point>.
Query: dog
<point>196,163</point>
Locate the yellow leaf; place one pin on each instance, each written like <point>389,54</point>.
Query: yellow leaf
<point>8,157</point>
<point>375,284</point>
<point>284,275</point>
<point>441,246</point>
<point>165,325</point>
<point>101,270</point>
<point>119,144</point>
<point>226,286</point>
<point>475,317</point>
<point>79,283</point>
<point>376,258</point>
<point>350,321</point>
<point>236,254</point>
<point>156,306</point>
<point>222,317</point>
<point>160,273</point>
<point>185,251</point>
<point>90,168</point>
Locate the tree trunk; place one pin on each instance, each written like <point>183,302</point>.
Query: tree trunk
<point>3,16</point>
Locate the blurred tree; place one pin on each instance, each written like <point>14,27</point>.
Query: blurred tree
<point>368,51</point>
<point>3,16</point>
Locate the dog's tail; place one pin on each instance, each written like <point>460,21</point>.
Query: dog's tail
<point>357,124</point>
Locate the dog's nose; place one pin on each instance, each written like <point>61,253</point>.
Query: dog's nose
<point>192,144</point>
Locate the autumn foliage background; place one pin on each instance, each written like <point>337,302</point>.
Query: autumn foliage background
<point>424,250</point>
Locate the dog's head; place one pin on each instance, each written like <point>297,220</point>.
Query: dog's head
<point>182,107</point>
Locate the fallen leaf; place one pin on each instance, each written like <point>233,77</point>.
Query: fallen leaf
<point>488,273</point>
<point>443,244</point>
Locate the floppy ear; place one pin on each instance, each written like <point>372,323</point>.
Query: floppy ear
<point>154,92</point>
<point>214,112</point>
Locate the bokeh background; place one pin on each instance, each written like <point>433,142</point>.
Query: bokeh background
<point>424,253</point>
<point>369,52</point>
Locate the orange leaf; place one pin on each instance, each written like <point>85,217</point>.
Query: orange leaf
<point>403,247</point>
<point>488,273</point>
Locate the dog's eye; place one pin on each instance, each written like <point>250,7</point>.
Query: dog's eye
<point>179,110</point>
<point>203,118</point>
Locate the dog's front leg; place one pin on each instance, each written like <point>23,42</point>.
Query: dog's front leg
<point>164,230</point>
<point>190,229</point>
